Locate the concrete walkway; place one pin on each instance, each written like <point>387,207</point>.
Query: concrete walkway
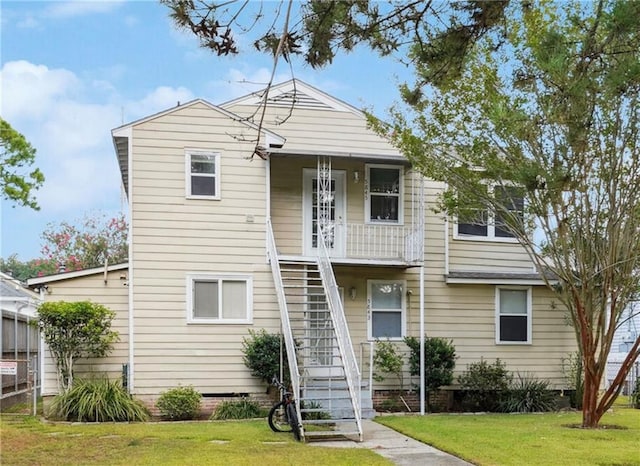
<point>402,450</point>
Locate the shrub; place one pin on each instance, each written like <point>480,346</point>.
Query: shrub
<point>179,404</point>
<point>238,409</point>
<point>387,359</point>
<point>262,355</point>
<point>97,400</point>
<point>439,361</point>
<point>485,385</point>
<point>635,395</point>
<point>529,395</point>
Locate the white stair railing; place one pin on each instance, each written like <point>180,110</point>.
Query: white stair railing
<point>284,318</point>
<point>352,372</point>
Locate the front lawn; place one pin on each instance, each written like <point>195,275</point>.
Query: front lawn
<point>27,441</point>
<point>528,439</point>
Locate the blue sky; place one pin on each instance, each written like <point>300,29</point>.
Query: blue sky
<point>71,71</point>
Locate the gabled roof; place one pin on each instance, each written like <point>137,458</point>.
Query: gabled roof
<point>75,274</point>
<point>12,290</point>
<point>296,92</point>
<point>122,134</point>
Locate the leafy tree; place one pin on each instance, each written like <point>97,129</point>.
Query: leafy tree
<point>74,330</point>
<point>96,240</point>
<point>439,361</point>
<point>74,247</point>
<point>24,270</point>
<point>546,107</point>
<point>319,29</point>
<point>16,154</point>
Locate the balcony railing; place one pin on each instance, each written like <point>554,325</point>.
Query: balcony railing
<point>387,242</point>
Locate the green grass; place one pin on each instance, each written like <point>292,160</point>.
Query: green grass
<point>528,439</point>
<point>28,441</point>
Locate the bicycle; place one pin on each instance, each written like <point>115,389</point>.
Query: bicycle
<point>283,416</point>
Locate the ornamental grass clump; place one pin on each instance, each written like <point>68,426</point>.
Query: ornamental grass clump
<point>529,395</point>
<point>238,409</point>
<point>97,400</point>
<point>179,404</point>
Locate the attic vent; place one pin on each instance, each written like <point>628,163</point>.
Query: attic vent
<point>286,99</point>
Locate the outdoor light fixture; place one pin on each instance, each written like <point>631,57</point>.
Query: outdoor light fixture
<point>353,292</point>
<point>356,176</point>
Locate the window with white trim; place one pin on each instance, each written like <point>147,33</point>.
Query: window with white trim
<point>384,190</point>
<point>513,315</point>
<point>484,223</point>
<point>219,299</point>
<point>386,309</point>
<point>202,174</point>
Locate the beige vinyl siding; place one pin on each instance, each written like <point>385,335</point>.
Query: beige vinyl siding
<point>174,236</point>
<point>326,130</point>
<point>487,256</point>
<point>466,315</point>
<point>114,295</point>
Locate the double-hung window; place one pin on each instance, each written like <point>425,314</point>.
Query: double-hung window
<point>513,315</point>
<point>384,190</point>
<point>202,174</point>
<point>219,299</point>
<point>483,223</point>
<point>386,309</point>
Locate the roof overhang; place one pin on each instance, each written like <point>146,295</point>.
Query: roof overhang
<point>394,158</point>
<point>34,282</point>
<point>122,135</point>
<point>494,278</point>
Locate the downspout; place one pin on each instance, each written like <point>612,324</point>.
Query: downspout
<point>422,372</point>
<point>41,349</point>
<point>268,190</point>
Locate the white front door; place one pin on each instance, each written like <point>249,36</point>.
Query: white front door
<point>337,210</point>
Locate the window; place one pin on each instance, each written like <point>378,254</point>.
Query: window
<point>203,175</point>
<point>482,223</point>
<point>386,309</point>
<point>219,299</point>
<point>513,315</point>
<point>384,194</point>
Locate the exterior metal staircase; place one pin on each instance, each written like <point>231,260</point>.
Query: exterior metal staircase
<point>325,376</point>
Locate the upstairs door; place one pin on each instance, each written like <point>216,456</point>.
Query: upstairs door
<point>337,211</point>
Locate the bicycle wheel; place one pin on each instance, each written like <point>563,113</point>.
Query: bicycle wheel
<point>278,420</point>
<point>293,421</point>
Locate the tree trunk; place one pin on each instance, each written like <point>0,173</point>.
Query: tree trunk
<point>590,415</point>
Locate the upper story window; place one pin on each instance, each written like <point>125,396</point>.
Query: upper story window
<point>384,194</point>
<point>203,174</point>
<point>485,224</point>
<point>513,315</point>
<point>219,299</point>
<point>386,309</point>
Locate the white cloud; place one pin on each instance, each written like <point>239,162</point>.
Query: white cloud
<point>29,90</point>
<point>71,9</point>
<point>161,98</point>
<point>68,119</point>
<point>29,22</point>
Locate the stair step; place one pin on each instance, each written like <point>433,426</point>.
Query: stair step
<point>326,398</point>
<point>327,421</point>
<point>338,434</point>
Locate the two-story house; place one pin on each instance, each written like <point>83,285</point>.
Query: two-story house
<point>326,234</point>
